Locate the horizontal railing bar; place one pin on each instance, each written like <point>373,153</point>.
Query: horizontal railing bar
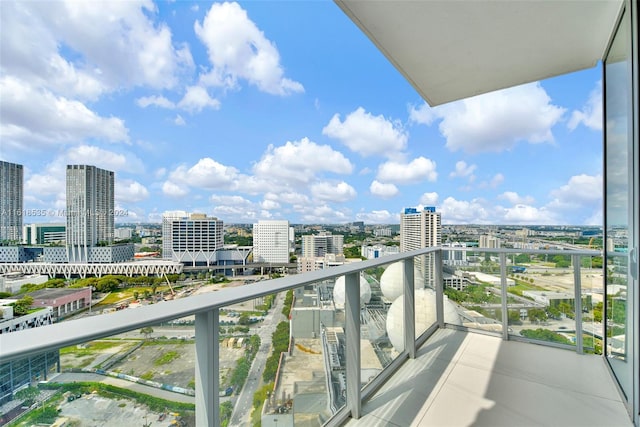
<point>29,342</point>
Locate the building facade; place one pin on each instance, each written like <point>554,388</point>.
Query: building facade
<point>44,233</point>
<point>271,241</point>
<point>421,229</point>
<point>192,240</point>
<point>318,245</point>
<point>90,210</point>
<point>11,199</point>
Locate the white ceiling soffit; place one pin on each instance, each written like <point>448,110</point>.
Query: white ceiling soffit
<point>449,50</point>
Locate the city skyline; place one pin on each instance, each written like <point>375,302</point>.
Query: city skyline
<point>304,124</point>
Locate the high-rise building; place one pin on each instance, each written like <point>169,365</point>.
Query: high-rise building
<point>421,229</point>
<point>11,195</point>
<point>489,241</point>
<point>271,241</point>
<point>167,221</point>
<point>318,245</point>
<point>192,239</point>
<point>90,210</point>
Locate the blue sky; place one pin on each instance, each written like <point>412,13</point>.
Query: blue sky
<point>278,110</point>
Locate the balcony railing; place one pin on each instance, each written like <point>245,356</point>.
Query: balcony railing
<point>502,302</point>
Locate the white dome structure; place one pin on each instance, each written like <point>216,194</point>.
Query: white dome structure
<point>339,294</point>
<point>425,315</point>
<point>391,281</point>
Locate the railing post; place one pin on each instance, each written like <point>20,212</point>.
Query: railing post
<point>439,288</point>
<point>577,289</point>
<point>409,308</point>
<point>352,334</point>
<point>503,295</point>
<point>207,369</point>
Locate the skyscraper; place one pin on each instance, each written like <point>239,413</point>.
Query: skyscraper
<point>271,241</point>
<point>11,176</point>
<point>421,229</point>
<point>90,210</point>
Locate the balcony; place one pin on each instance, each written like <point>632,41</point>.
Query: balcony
<point>389,341</point>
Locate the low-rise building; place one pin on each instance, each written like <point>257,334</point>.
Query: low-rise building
<point>63,301</point>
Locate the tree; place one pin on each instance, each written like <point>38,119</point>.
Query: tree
<point>22,306</point>
<point>146,331</point>
<point>537,315</point>
<point>136,294</point>
<point>244,319</point>
<point>28,395</point>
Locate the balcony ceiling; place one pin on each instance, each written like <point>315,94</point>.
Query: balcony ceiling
<point>449,50</point>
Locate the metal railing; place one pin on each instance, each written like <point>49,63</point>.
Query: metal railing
<point>206,308</point>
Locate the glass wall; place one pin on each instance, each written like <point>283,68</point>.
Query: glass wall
<point>620,291</point>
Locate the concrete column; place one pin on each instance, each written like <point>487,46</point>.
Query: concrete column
<point>409,298</point>
<point>439,288</point>
<point>352,333</point>
<point>207,369</point>
<point>577,289</point>
<point>503,294</point>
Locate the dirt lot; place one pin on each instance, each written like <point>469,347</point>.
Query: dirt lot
<point>93,410</point>
<point>172,364</point>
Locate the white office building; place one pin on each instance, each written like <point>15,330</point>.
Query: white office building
<point>271,241</point>
<point>318,245</point>
<point>421,229</point>
<point>11,196</point>
<point>191,239</point>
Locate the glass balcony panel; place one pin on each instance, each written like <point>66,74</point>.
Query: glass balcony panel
<point>294,379</point>
<point>137,377</point>
<point>541,300</point>
<point>381,319</point>
<point>592,282</point>
<point>472,288</point>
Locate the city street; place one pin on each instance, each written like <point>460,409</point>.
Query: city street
<point>242,410</point>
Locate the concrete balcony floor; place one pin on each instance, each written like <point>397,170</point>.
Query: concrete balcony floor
<point>468,379</point>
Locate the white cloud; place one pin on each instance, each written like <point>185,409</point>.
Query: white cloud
<point>419,169</point>
<point>238,49</point>
<point>515,199</point>
<point>154,100</point>
<point>591,114</point>
<point>174,190</point>
<point>179,121</point>
<point>466,212</point>
<point>87,154</point>
<point>207,173</point>
<point>525,214</point>
<point>378,217</point>
<point>494,182</point>
<point>496,121</point>
<point>300,161</point>
<point>129,191</point>
<point>196,99</point>
<point>424,114</point>
<point>462,170</point>
<point>332,192</point>
<point>368,135</point>
<point>385,191</point>
<point>429,199</point>
<point>582,192</point>
<point>236,201</point>
<point>160,173</point>
<point>36,116</point>
<point>323,214</point>
<point>114,45</point>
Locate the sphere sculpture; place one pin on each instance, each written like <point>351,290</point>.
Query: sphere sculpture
<point>391,281</point>
<point>339,292</point>
<point>425,315</point>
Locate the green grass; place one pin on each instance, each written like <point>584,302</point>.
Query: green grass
<point>90,349</point>
<point>167,357</point>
